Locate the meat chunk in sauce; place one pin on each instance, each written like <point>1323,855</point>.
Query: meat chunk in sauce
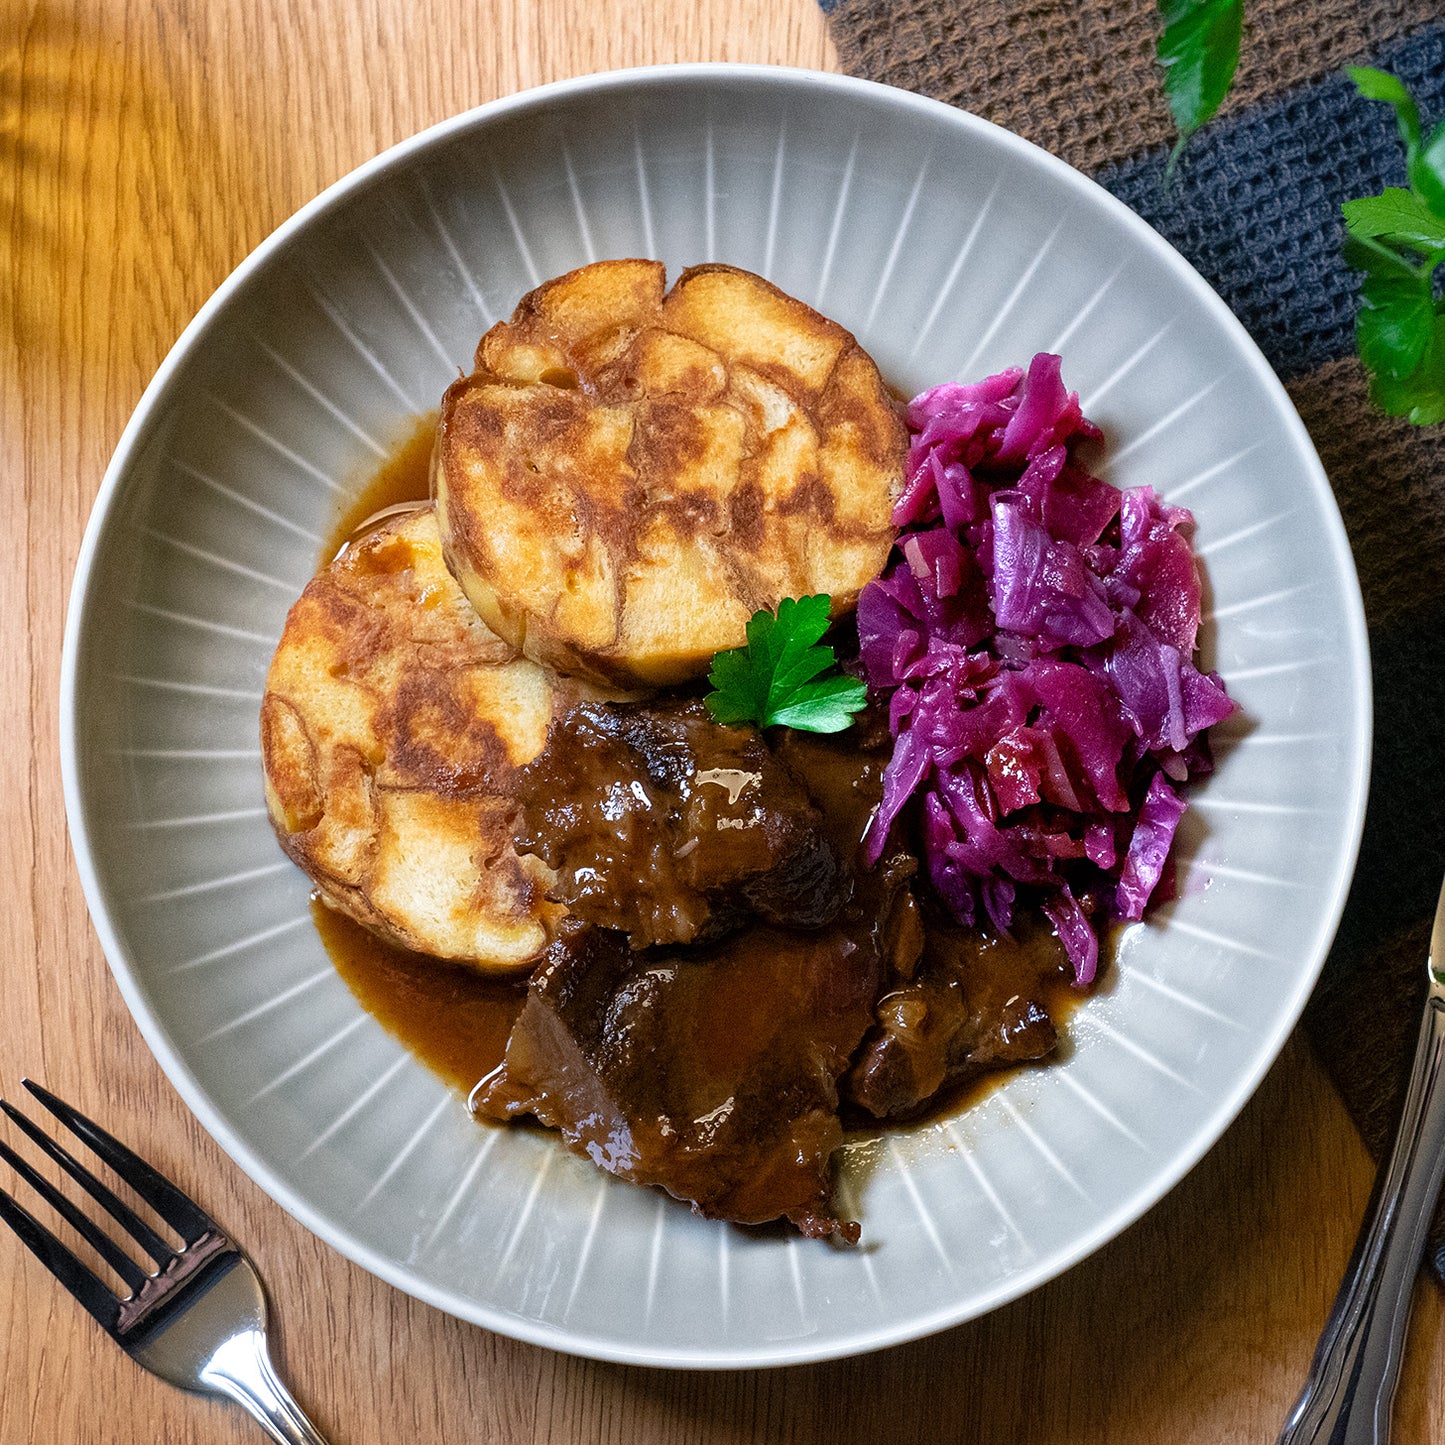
<point>844,774</point>
<point>666,826</point>
<point>711,1072</point>
<point>973,1003</point>
<point>709,1063</point>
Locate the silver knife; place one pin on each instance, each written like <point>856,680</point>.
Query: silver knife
<point>1350,1388</point>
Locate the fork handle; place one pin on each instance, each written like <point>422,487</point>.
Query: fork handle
<point>1351,1385</point>
<point>243,1370</point>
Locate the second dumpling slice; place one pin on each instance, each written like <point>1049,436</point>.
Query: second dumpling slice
<point>630,473</point>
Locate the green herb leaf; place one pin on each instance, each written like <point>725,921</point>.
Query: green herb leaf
<point>1381,85</point>
<point>742,689</point>
<point>1199,51</point>
<point>1427,171</point>
<point>776,679</point>
<point>827,707</point>
<point>1424,163</point>
<point>1400,327</point>
<point>1400,217</point>
<point>1395,323</point>
<point>1420,396</point>
<point>1365,253</point>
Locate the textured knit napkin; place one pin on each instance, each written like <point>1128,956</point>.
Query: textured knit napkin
<point>1255,206</point>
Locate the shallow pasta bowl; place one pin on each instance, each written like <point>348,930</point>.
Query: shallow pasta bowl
<point>951,248</point>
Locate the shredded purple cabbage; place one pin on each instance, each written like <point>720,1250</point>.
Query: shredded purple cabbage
<point>1033,638</point>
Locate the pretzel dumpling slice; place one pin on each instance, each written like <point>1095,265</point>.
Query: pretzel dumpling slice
<point>392,728</point>
<point>629,474</point>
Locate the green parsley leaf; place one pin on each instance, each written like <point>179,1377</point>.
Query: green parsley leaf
<point>1424,159</point>
<point>1400,326</point>
<point>826,707</point>
<point>1381,85</point>
<point>1400,217</point>
<point>1199,51</point>
<point>1420,396</point>
<point>776,679</point>
<point>1427,170</point>
<point>1366,253</point>
<point>1395,323</point>
<point>742,690</point>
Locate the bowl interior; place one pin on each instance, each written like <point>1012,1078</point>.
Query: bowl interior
<point>951,249</point>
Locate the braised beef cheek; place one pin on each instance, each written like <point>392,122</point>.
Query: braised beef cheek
<point>974,1002</point>
<point>711,1072</point>
<point>675,1052</point>
<point>666,826</point>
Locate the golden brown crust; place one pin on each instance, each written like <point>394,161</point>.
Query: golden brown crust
<point>392,729</point>
<point>631,472</point>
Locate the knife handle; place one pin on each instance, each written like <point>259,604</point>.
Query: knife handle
<point>1350,1388</point>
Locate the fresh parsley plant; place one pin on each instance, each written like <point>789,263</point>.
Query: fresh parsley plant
<point>778,677</point>
<point>1398,240</point>
<point>1199,51</point>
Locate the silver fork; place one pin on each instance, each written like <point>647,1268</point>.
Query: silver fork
<point>199,1319</point>
<point>1350,1389</point>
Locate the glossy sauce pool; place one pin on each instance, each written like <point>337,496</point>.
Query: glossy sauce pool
<point>405,476</point>
<point>453,1019</point>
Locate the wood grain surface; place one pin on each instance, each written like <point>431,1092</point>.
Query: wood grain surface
<point>145,147</point>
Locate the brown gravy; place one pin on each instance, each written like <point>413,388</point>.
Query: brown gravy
<point>405,476</point>
<point>452,1018</point>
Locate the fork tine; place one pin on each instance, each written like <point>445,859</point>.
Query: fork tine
<point>109,1251</point>
<point>123,1214</point>
<point>178,1210</point>
<point>61,1262</point>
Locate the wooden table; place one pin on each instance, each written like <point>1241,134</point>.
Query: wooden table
<point>147,147</point>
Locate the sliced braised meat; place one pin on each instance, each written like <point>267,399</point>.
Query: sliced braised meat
<point>844,774</point>
<point>665,825</point>
<point>974,1003</point>
<point>673,1052</point>
<point>711,1072</point>
<point>906,1057</point>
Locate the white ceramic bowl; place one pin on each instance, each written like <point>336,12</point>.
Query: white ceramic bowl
<point>951,248</point>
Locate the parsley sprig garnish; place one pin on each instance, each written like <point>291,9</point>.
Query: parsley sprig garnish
<point>777,679</point>
<point>1199,51</point>
<point>1398,240</point>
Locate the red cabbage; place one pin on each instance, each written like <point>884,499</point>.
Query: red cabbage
<point>1158,817</point>
<point>1033,637</point>
<point>1041,587</point>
